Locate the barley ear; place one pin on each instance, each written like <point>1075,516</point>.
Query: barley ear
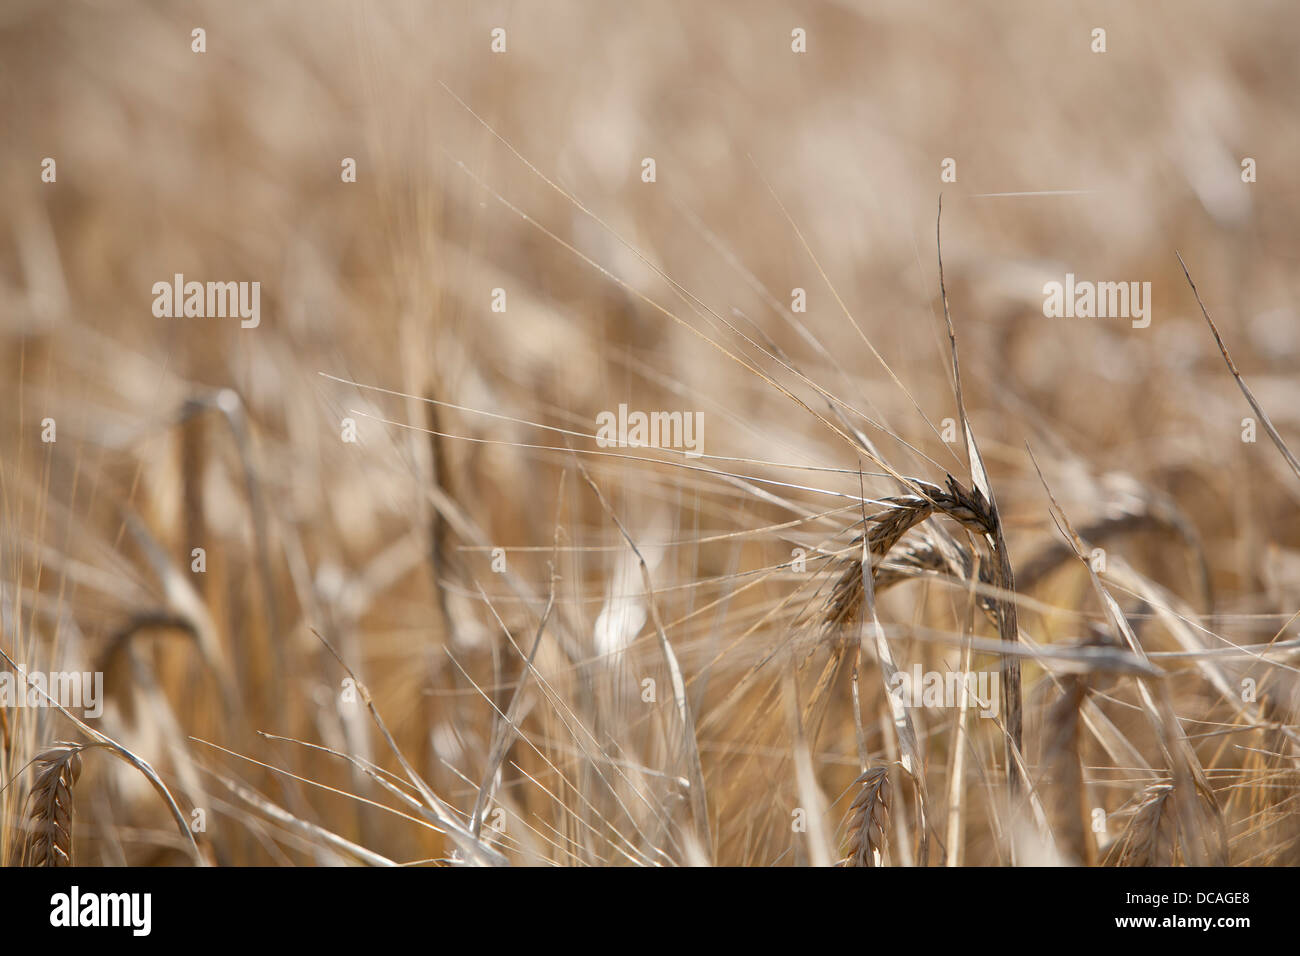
<point>50,817</point>
<point>868,819</point>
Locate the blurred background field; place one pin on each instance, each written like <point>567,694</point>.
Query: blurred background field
<point>174,434</point>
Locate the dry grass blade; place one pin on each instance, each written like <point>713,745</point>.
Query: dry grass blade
<point>475,851</point>
<point>868,819</point>
<point>507,728</point>
<point>810,794</point>
<point>905,730</point>
<point>50,818</point>
<point>682,707</point>
<point>303,827</point>
<point>1241,382</point>
<point>1008,625</point>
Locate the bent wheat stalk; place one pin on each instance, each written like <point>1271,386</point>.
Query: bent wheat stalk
<point>125,755</point>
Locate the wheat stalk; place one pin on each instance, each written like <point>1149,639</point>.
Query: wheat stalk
<point>1151,837</point>
<point>886,527</point>
<point>868,819</point>
<point>50,818</point>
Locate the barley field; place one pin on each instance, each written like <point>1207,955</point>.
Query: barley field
<point>654,434</point>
